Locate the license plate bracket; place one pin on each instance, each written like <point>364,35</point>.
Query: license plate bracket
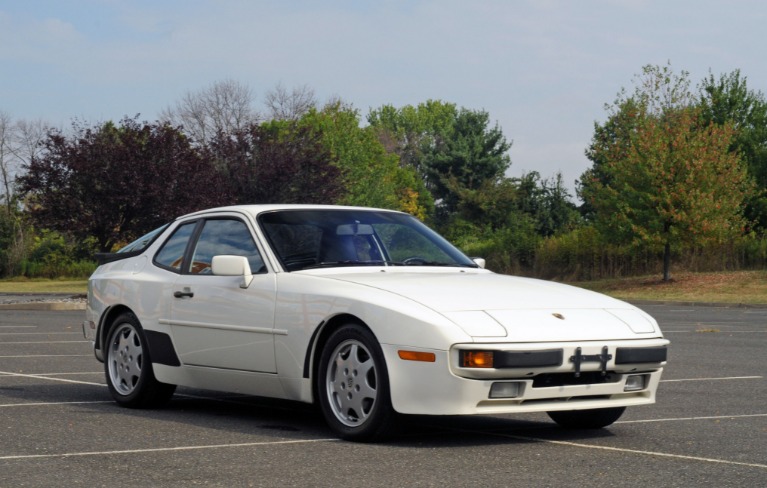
<point>577,359</point>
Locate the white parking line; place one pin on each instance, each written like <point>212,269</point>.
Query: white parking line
<point>633,451</point>
<point>613,449</point>
<point>722,331</point>
<point>50,376</point>
<point>164,449</point>
<point>679,419</point>
<point>48,404</point>
<point>41,333</point>
<point>48,356</point>
<point>41,377</point>
<point>42,342</point>
<point>47,375</point>
<point>714,379</point>
<point>305,441</point>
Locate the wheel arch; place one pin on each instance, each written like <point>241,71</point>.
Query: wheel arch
<point>319,338</point>
<point>107,322</point>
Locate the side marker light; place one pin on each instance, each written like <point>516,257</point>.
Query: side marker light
<point>426,357</point>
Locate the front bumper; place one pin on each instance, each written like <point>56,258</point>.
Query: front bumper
<point>445,388</point>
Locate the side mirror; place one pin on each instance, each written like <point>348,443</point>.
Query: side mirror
<point>479,262</point>
<point>232,266</point>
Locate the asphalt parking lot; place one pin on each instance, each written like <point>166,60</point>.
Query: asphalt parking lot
<point>58,426</point>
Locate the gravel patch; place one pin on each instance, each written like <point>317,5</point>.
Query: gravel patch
<point>42,301</point>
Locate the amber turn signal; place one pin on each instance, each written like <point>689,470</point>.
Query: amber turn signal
<point>477,359</point>
<point>427,357</point>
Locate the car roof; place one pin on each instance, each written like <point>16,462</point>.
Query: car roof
<point>254,210</point>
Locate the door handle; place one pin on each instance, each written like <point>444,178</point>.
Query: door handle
<point>186,293</point>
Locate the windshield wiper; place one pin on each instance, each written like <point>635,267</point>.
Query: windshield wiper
<point>338,264</point>
<point>446,265</point>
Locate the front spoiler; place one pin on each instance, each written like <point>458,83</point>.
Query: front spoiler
<point>440,388</point>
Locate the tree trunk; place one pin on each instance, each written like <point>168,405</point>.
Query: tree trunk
<point>667,262</point>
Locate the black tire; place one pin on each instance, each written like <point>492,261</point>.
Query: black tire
<point>128,367</point>
<point>353,386</point>
<point>587,419</point>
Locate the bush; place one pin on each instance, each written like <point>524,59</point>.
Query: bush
<point>52,269</point>
<point>53,256</point>
<point>583,254</point>
<point>509,250</point>
<point>14,242</point>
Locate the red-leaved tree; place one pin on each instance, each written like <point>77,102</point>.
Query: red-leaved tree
<point>117,182</point>
<point>278,162</point>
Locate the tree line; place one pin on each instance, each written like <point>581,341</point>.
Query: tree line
<point>676,173</point>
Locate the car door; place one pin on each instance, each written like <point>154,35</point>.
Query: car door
<point>214,322</point>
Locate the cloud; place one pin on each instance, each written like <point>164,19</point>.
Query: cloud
<point>37,40</point>
<point>542,69</point>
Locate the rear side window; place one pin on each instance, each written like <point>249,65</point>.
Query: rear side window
<point>140,244</point>
<point>171,254</point>
<point>135,248</point>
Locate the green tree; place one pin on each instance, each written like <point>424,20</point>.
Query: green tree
<point>489,222</point>
<point>14,241</point>
<point>471,152</point>
<point>667,180</point>
<point>412,132</point>
<point>371,176</point>
<point>547,202</point>
<point>615,133</point>
<point>451,149</point>
<point>728,100</point>
<point>116,182</point>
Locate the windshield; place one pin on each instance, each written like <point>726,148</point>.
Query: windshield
<point>305,239</point>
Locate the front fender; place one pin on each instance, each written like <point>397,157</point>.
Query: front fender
<point>309,306</point>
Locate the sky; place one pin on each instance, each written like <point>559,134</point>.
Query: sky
<point>543,70</point>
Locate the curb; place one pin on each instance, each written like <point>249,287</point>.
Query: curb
<point>42,301</point>
<point>43,306</point>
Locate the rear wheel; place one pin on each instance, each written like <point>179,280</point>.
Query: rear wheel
<point>353,386</point>
<point>128,367</point>
<point>587,419</point>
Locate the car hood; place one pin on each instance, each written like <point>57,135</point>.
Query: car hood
<point>485,304</point>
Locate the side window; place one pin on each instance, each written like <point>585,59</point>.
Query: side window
<point>171,254</point>
<point>225,236</point>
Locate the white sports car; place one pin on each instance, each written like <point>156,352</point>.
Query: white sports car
<point>367,312</point>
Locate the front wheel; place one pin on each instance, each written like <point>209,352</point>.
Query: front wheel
<point>353,386</point>
<point>587,419</point>
<point>128,367</point>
